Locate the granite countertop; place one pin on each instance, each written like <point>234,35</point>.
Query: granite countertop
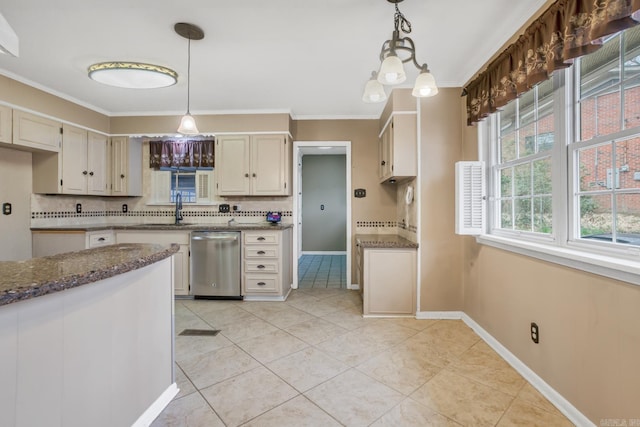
<point>389,241</point>
<point>239,226</point>
<point>22,280</point>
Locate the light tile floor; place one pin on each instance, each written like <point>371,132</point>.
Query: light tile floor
<point>314,361</point>
<point>322,271</point>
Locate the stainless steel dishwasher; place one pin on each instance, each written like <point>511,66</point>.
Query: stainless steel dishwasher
<point>215,264</point>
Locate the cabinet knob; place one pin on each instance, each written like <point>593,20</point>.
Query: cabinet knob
<point>84,172</point>
<point>261,252</point>
<point>90,173</point>
<point>383,163</point>
<point>254,175</point>
<point>261,284</point>
<point>261,266</point>
<point>122,175</point>
<point>246,175</point>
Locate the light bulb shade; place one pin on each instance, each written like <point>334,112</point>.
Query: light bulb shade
<point>425,85</point>
<point>374,92</point>
<point>188,125</point>
<point>391,71</point>
<point>132,75</point>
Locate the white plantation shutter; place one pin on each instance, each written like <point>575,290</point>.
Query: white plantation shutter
<point>204,184</point>
<point>470,198</point>
<point>161,186</point>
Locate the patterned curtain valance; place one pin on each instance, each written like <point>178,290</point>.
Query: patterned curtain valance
<point>567,30</point>
<point>192,153</point>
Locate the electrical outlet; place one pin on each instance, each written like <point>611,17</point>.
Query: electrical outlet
<point>223,207</point>
<point>6,208</point>
<point>125,208</point>
<point>78,207</point>
<point>535,333</point>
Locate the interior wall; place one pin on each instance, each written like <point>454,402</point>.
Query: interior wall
<point>441,249</point>
<point>380,203</point>
<point>324,212</point>
<point>15,188</point>
<point>589,334</point>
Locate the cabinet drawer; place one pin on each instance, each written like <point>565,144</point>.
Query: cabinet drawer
<point>261,266</point>
<point>261,251</point>
<point>262,238</point>
<point>95,240</point>
<point>255,283</point>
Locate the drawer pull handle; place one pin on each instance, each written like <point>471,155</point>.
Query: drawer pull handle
<point>261,266</point>
<point>101,239</point>
<point>261,284</point>
<point>261,238</point>
<point>261,252</point>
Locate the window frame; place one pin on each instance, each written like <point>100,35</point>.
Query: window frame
<point>564,245</point>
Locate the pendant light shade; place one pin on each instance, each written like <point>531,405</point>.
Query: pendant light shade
<point>391,71</point>
<point>188,125</point>
<point>190,32</point>
<point>425,85</point>
<point>374,91</point>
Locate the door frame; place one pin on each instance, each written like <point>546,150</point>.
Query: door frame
<point>298,147</point>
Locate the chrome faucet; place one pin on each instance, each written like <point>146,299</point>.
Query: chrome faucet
<point>178,208</point>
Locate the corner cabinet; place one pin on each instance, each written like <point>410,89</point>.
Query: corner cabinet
<point>267,270</point>
<point>398,148</point>
<point>253,165</point>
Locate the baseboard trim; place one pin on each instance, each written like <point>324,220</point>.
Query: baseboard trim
<point>354,287</point>
<point>563,405</point>
<point>157,407</point>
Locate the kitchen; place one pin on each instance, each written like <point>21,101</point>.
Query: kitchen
<point>446,271</point>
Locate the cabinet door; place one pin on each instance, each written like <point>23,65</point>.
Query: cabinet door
<point>97,164</point>
<point>181,271</point>
<point>389,281</point>
<point>5,124</point>
<point>34,131</point>
<point>119,165</point>
<point>386,153</point>
<point>232,165</point>
<point>74,160</point>
<point>268,165</point>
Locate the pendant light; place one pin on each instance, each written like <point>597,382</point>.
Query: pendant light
<point>189,32</point>
<point>394,54</point>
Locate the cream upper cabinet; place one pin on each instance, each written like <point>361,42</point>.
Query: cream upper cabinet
<point>125,175</point>
<point>36,132</point>
<point>97,163</point>
<point>255,165</point>
<point>74,160</point>
<point>5,124</point>
<point>398,149</point>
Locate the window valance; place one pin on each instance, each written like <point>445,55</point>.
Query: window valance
<point>567,30</point>
<point>190,153</point>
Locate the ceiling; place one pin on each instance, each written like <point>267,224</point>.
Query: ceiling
<point>308,58</point>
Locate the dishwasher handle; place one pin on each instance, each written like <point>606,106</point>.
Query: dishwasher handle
<point>213,236</point>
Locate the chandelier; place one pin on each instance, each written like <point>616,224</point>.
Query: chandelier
<point>394,54</point>
<point>189,32</point>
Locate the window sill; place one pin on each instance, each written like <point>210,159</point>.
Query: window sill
<point>626,270</point>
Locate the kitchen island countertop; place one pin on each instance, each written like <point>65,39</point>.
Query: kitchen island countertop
<point>387,241</point>
<point>22,280</point>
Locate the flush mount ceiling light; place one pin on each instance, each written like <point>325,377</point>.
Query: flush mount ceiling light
<point>394,54</point>
<point>132,75</point>
<point>190,32</point>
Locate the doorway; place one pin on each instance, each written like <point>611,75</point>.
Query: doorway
<point>328,215</point>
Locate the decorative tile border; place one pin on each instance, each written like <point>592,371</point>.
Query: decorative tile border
<point>377,224</point>
<point>150,213</point>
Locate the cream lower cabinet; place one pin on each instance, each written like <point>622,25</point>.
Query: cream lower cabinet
<point>181,258</point>
<point>253,165</point>
<point>48,242</point>
<point>388,282</point>
<point>266,264</point>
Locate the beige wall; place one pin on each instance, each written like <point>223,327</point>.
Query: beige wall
<point>154,125</point>
<point>441,249</point>
<point>380,203</point>
<point>26,97</point>
<point>589,325</point>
